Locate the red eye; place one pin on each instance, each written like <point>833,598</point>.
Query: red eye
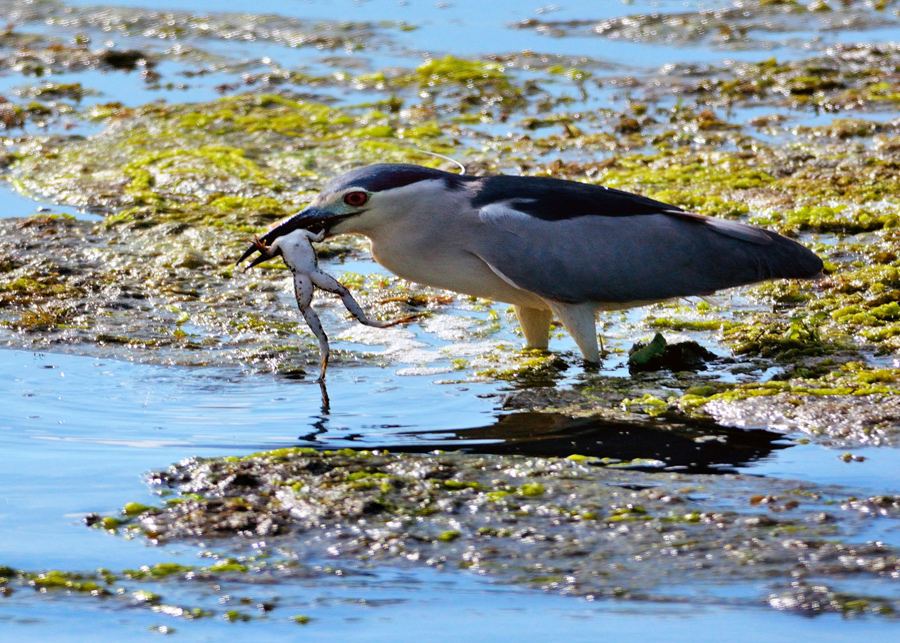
<point>356,199</point>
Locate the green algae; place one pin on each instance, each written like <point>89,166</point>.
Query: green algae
<point>119,588</point>
<point>135,509</point>
<point>531,489</point>
<point>450,70</point>
<point>628,513</point>
<point>66,581</point>
<point>840,219</point>
<point>685,324</point>
<point>622,533</point>
<point>234,616</point>
<point>671,169</point>
<point>158,155</point>
<point>528,366</point>
<point>110,523</point>
<point>160,570</point>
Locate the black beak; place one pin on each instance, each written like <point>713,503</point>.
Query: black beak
<point>262,257</point>
<point>307,218</point>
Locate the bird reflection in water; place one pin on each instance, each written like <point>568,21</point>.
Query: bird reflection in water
<point>675,442</point>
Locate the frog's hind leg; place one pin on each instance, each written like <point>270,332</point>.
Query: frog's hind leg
<point>303,288</point>
<point>329,283</point>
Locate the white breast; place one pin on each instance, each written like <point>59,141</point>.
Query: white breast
<point>422,233</point>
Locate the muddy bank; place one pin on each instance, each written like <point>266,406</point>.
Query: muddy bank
<point>563,525</point>
<point>752,25</point>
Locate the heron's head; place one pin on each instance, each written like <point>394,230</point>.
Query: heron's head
<point>363,198</point>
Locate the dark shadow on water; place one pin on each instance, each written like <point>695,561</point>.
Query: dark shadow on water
<point>684,444</point>
<point>676,442</point>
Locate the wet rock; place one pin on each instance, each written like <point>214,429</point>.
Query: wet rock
<point>811,599</point>
<point>659,354</point>
<point>128,59</point>
<point>10,117</point>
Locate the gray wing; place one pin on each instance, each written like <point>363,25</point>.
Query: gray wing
<point>623,259</point>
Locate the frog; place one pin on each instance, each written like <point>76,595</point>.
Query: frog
<point>299,255</point>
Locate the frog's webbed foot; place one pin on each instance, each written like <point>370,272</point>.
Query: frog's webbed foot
<point>261,245</point>
<point>266,252</point>
<point>361,317</point>
<point>402,320</point>
<point>321,377</point>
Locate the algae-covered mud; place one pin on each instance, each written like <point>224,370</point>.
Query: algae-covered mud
<point>143,148</point>
<point>563,525</point>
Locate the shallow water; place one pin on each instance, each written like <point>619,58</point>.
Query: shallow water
<point>446,607</point>
<point>77,431</point>
<point>103,422</point>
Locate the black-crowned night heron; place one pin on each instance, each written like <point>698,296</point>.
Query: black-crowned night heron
<point>549,247</point>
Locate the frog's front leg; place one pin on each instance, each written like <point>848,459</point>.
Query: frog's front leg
<point>303,289</point>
